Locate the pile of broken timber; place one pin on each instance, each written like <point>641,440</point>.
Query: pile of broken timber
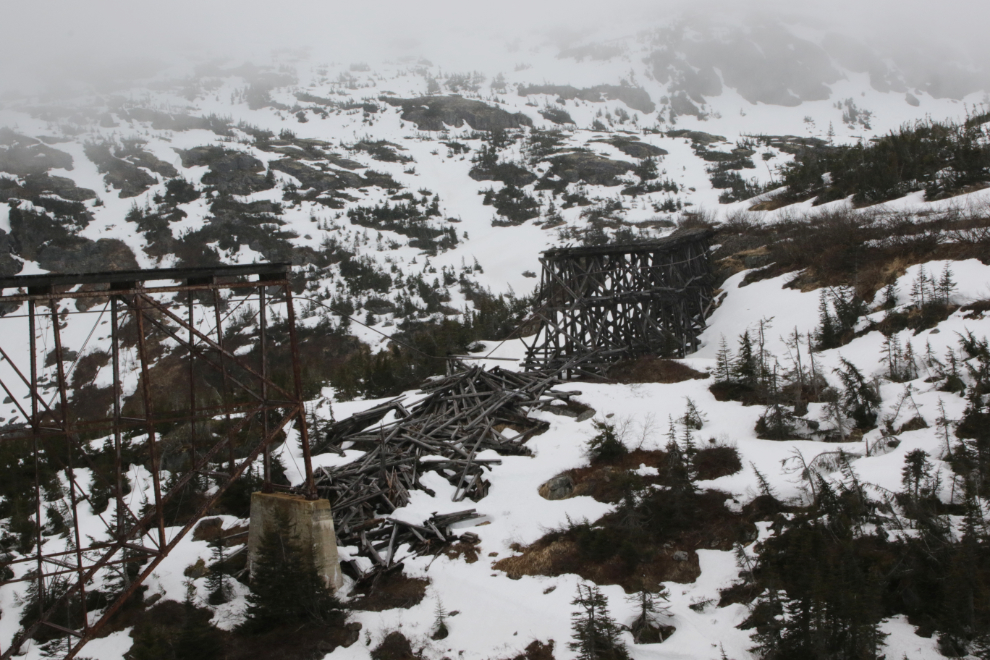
<point>463,414</point>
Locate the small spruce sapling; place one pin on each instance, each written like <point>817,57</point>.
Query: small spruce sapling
<point>916,476</point>
<point>649,606</point>
<point>861,398</point>
<point>745,367</point>
<point>946,285</point>
<point>827,335</point>
<point>693,418</point>
<point>198,639</point>
<point>723,362</point>
<point>595,633</point>
<point>606,444</point>
<point>215,579</point>
<point>439,622</point>
<point>285,586</point>
<point>889,297</point>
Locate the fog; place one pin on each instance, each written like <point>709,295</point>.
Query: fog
<point>58,42</point>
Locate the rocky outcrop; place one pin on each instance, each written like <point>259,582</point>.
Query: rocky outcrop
<point>635,148</point>
<point>634,97</point>
<point>35,185</point>
<point>764,63</point>
<point>321,181</point>
<point>36,236</point>
<point>231,172</point>
<point>22,155</point>
<point>588,167</point>
<point>117,173</point>
<point>434,113</point>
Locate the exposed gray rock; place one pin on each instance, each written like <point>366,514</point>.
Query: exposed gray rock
<point>317,180</point>
<point>37,236</point>
<point>559,488</point>
<point>43,184</point>
<point>635,148</point>
<point>231,172</point>
<point>126,177</point>
<point>588,167</point>
<point>22,155</point>
<point>82,255</point>
<point>765,63</point>
<point>634,97</point>
<point>433,113</point>
<point>586,415</point>
<point>680,555</point>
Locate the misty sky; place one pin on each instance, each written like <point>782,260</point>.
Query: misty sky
<point>66,39</point>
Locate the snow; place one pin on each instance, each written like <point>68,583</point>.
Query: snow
<point>498,616</point>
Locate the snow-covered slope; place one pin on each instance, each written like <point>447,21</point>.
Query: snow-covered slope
<point>294,159</point>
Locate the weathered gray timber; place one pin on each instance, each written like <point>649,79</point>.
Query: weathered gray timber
<point>612,302</point>
<point>462,415</point>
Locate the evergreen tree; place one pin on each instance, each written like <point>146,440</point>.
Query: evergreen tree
<point>595,633</point>
<point>776,423</point>
<point>889,297</point>
<point>745,368</point>
<point>285,587</point>
<point>649,607</point>
<point>215,579</point>
<point>723,362</point>
<point>151,643</point>
<point>440,630</point>
<point>693,418</point>
<point>826,334</point>
<point>860,397</point>
<point>916,473</point>
<point>198,639</point>
<point>678,471</point>
<point>605,445</point>
<point>848,308</point>
<point>946,285</point>
<point>892,357</point>
<point>920,294</point>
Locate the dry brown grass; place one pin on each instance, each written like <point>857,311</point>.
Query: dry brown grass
<point>863,250</point>
<point>395,646</point>
<point>713,526</point>
<point>390,591</point>
<point>651,369</point>
<point>561,555</point>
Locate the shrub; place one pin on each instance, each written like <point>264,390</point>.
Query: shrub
<point>938,157</point>
<point>606,445</point>
<point>285,587</point>
<point>596,634</point>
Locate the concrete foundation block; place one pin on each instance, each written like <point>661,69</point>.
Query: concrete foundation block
<point>311,522</point>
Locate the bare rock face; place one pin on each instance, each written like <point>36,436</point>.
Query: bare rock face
<point>559,488</point>
<point>433,113</point>
<point>126,167</point>
<point>86,256</point>
<point>634,97</point>
<point>634,148</point>
<point>231,172</point>
<point>588,167</point>
<point>53,243</point>
<point>22,155</point>
<point>315,179</point>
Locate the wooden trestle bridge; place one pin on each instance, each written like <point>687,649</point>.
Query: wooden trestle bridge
<point>597,305</point>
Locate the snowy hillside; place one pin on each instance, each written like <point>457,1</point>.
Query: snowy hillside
<point>414,198</point>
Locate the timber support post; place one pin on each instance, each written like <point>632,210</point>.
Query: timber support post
<point>614,302</point>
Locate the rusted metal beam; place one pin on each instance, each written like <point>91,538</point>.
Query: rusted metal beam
<point>129,535</point>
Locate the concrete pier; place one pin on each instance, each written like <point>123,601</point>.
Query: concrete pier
<point>311,522</point>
